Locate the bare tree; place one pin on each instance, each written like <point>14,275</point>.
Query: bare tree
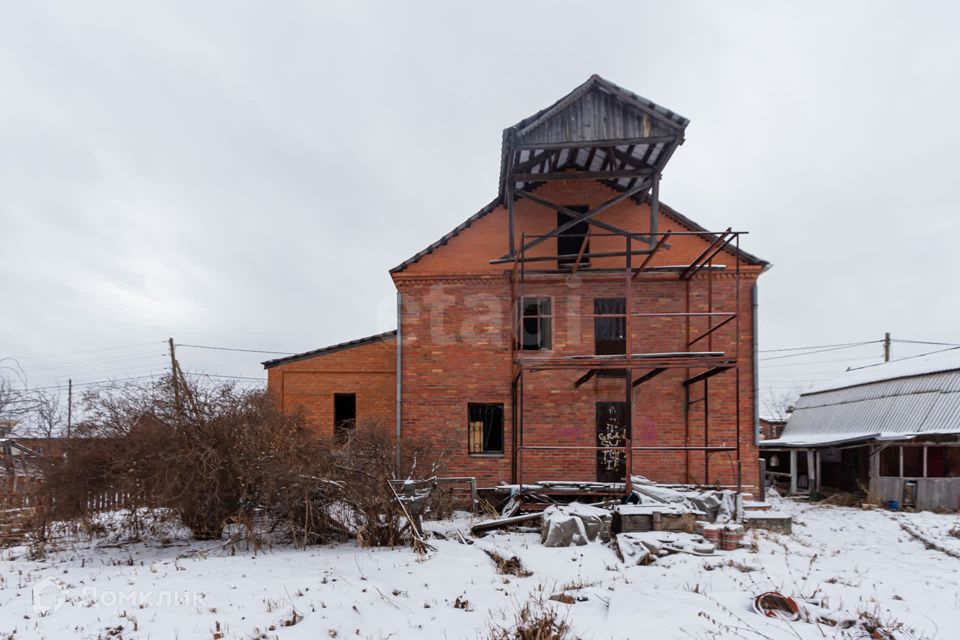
<point>778,404</point>
<point>15,399</point>
<point>47,419</point>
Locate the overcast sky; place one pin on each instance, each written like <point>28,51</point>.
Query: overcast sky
<point>245,174</point>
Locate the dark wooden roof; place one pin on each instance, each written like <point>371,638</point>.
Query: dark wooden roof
<point>595,127</point>
<point>600,131</point>
<point>331,349</point>
<point>597,110</point>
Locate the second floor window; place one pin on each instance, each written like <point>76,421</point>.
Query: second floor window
<point>536,319</point>
<point>570,242</point>
<point>610,326</point>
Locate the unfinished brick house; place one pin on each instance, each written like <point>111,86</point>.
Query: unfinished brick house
<point>575,328</point>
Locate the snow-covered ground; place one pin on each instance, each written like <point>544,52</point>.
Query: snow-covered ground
<point>850,560</point>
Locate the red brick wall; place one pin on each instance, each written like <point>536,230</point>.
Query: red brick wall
<point>368,370</point>
<point>456,328</point>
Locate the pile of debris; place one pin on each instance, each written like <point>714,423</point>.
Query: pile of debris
<point>652,521</point>
<point>644,547</point>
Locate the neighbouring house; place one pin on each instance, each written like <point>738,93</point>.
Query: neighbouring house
<point>575,328</point>
<point>771,428</point>
<point>891,431</point>
<point>19,472</point>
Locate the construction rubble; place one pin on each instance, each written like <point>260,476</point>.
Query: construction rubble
<point>653,520</point>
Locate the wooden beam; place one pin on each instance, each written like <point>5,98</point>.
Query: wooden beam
<point>583,246</point>
<point>614,174</point>
<point>533,160</point>
<point>583,144</point>
<point>626,157</point>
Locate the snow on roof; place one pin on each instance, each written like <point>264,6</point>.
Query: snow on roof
<point>816,440</point>
<point>948,360</point>
<point>900,399</point>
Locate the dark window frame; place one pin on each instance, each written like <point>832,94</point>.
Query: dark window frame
<point>541,318</point>
<point>912,463</point>
<point>889,457</point>
<point>610,326</point>
<point>484,421</point>
<point>342,426</point>
<point>570,241</point>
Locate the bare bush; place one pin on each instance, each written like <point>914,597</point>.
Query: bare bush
<point>535,620</point>
<point>217,456</point>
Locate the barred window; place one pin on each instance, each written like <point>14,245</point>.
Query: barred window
<point>485,426</point>
<point>610,326</point>
<point>536,323</point>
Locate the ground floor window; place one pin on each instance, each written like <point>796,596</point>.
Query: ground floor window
<point>344,415</point>
<point>890,462</point>
<point>485,426</point>
<point>912,462</point>
<point>920,461</point>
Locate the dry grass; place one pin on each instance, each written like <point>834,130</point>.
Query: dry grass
<point>508,566</point>
<point>534,621</point>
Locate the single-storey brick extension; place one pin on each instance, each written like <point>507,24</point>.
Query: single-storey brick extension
<point>575,328</point>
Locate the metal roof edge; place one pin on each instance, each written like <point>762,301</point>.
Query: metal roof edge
<point>882,381</point>
<point>269,364</point>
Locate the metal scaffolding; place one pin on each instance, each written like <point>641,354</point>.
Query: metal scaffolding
<point>603,133</point>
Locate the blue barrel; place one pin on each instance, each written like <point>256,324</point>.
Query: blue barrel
<point>893,505</point>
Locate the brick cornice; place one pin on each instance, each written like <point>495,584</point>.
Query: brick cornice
<point>452,278</point>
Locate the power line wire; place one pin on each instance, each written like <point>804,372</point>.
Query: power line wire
<point>91,362</point>
<point>203,346</point>
<point>936,344</point>
<point>919,355</point>
<point>98,382</point>
<point>834,348</point>
<point>820,346</point>
<point>114,348</point>
<point>814,362</point>
<point>218,375</point>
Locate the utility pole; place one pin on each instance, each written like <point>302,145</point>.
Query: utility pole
<point>173,376</point>
<point>886,347</point>
<point>69,406</point>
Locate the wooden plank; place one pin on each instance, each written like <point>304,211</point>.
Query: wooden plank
<point>490,525</point>
<point>612,174</point>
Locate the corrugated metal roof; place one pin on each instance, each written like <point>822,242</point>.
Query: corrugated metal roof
<point>943,360</point>
<point>921,403</point>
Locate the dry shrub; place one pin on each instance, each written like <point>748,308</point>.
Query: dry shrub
<point>535,620</point>
<point>221,455</point>
<point>339,491</point>
<point>509,566</point>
